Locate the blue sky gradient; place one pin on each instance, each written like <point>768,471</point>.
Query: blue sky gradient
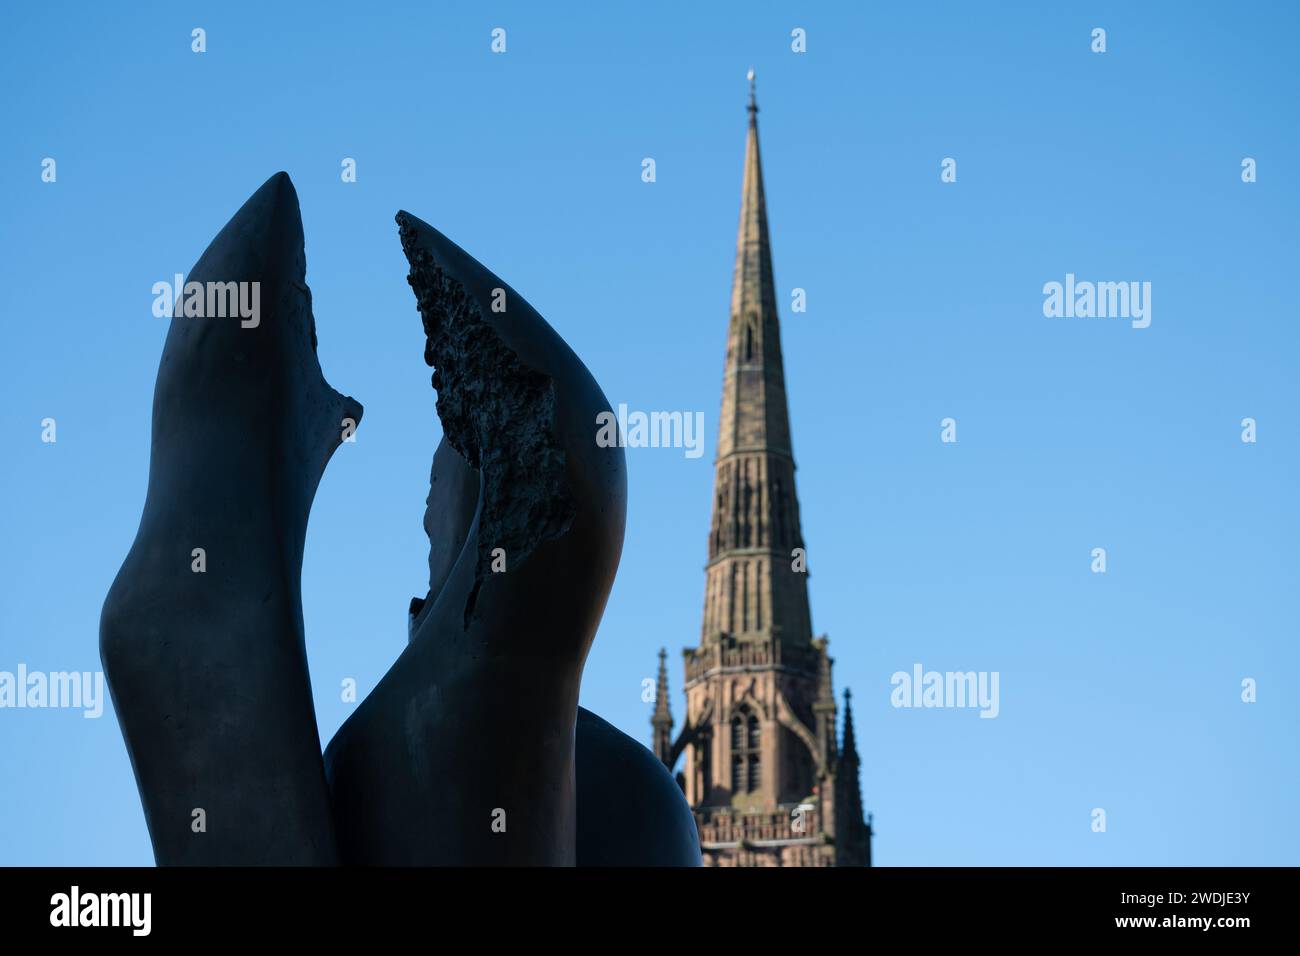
<point>1119,691</point>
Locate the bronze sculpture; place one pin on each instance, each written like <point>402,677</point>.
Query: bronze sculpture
<point>472,749</point>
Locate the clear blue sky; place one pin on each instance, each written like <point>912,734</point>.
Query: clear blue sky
<point>925,299</point>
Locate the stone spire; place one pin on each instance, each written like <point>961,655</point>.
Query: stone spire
<point>753,590</point>
<point>662,720</point>
<point>760,735</point>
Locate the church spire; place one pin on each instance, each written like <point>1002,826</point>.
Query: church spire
<point>755,371</point>
<point>760,731</point>
<point>757,582</point>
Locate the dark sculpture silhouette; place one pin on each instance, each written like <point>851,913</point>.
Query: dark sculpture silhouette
<point>208,672</point>
<point>472,749</point>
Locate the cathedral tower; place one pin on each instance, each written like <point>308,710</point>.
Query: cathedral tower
<point>764,771</point>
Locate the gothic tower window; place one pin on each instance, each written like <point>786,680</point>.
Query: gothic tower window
<point>744,596</point>
<point>746,748</point>
<point>778,510</point>
<point>747,504</point>
<point>704,767</point>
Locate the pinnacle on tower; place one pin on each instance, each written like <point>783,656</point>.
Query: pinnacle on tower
<point>852,831</point>
<point>849,749</point>
<point>662,719</point>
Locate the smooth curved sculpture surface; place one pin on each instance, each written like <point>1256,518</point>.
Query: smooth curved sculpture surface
<point>631,812</point>
<point>472,749</point>
<point>207,668</point>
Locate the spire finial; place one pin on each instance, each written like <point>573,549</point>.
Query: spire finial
<point>753,101</point>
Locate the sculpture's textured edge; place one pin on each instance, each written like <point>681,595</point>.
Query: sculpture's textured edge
<point>497,412</point>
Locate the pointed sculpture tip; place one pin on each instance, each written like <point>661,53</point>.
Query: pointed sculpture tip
<point>412,223</point>
<point>415,232</point>
<point>276,193</point>
<point>408,227</point>
<point>753,100</point>
<point>279,181</point>
<point>272,206</point>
